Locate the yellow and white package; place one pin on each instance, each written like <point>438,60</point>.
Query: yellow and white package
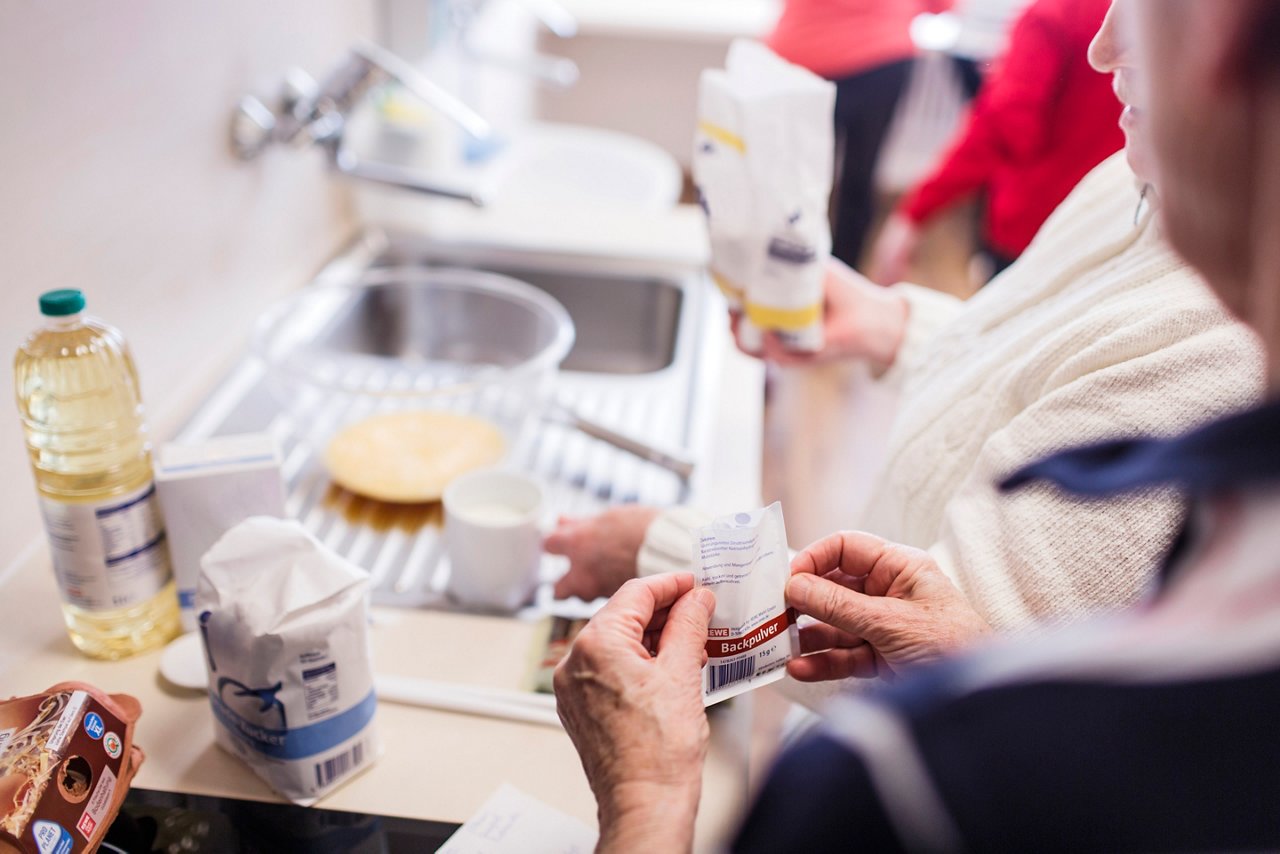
<point>743,558</point>
<point>724,184</point>
<point>763,163</point>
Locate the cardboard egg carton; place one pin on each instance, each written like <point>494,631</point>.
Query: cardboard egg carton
<point>66,760</point>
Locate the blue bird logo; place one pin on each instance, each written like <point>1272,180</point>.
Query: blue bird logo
<point>265,696</point>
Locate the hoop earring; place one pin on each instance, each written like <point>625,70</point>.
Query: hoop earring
<point>1142,203</point>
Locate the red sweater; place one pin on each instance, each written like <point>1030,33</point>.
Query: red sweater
<point>840,38</point>
<point>1042,120</point>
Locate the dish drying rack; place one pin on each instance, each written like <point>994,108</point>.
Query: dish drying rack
<point>402,546</point>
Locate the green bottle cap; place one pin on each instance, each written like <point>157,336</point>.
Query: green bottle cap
<point>60,303</point>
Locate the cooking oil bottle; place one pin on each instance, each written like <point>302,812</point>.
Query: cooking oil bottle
<point>81,411</point>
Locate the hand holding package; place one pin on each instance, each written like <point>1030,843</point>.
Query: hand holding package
<point>285,627</point>
<point>763,162</point>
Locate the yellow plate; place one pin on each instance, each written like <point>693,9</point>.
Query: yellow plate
<point>410,457</point>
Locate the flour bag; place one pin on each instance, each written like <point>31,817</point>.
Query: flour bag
<point>724,185</point>
<point>763,162</point>
<point>285,627</point>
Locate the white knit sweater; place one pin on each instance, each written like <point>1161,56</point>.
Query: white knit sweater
<point>1098,331</point>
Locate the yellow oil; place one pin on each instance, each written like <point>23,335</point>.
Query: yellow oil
<point>78,397</point>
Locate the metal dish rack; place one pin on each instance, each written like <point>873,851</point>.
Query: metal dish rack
<point>402,546</point>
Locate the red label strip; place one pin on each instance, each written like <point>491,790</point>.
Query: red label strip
<point>725,647</point>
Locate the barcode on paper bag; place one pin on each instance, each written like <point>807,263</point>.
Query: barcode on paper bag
<point>335,767</point>
<point>720,675</point>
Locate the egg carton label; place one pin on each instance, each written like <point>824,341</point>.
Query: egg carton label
<point>66,725</point>
<point>99,803</point>
<point>51,838</point>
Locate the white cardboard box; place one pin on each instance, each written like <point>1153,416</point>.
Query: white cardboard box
<point>205,489</point>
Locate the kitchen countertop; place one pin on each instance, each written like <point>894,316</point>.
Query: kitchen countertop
<point>677,239</point>
<point>436,765</point>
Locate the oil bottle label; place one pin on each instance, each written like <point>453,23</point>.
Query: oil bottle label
<point>108,554</point>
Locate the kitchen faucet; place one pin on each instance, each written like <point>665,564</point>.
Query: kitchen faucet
<point>459,17</point>
<point>308,113</point>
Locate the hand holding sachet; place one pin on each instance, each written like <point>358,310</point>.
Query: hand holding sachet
<point>763,165</point>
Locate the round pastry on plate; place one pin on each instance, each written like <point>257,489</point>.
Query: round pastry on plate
<point>410,457</point>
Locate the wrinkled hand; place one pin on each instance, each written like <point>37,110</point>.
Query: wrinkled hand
<point>894,248</point>
<point>860,320</point>
<point>630,696</point>
<point>880,606</point>
<point>602,550</point>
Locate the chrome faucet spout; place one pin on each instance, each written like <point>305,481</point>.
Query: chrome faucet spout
<point>556,71</point>
<point>391,67</point>
<point>311,114</point>
<point>397,176</point>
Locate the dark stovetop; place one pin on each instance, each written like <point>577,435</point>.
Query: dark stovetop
<point>152,822</point>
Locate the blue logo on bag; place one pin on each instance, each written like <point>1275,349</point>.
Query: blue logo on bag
<point>51,838</point>
<point>93,725</point>
<point>268,704</point>
<point>296,743</point>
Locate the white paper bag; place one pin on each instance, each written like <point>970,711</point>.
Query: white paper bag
<point>286,634</point>
<point>743,558</point>
<point>763,162</point>
<point>724,184</point>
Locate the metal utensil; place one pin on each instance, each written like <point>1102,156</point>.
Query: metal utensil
<point>523,706</point>
<point>672,461</point>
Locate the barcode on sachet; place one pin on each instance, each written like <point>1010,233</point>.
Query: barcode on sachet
<point>720,675</point>
<point>336,766</point>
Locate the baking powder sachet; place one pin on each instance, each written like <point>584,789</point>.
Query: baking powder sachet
<point>285,626</point>
<point>743,558</point>
<point>763,161</point>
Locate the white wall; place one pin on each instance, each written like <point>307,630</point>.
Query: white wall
<point>115,177</point>
<point>640,63</point>
<point>641,86</point>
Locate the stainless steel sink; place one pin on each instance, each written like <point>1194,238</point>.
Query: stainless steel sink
<point>635,368</point>
<point>626,323</point>
<point>409,315</point>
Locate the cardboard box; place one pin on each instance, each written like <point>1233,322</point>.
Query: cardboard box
<point>66,760</point>
<point>205,490</point>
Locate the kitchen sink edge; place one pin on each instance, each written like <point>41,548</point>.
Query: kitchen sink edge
<point>669,402</point>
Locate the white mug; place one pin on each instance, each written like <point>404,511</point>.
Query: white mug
<point>491,526</point>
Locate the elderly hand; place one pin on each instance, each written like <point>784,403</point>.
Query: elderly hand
<point>601,549</point>
<point>860,320</point>
<point>630,696</point>
<point>880,606</point>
